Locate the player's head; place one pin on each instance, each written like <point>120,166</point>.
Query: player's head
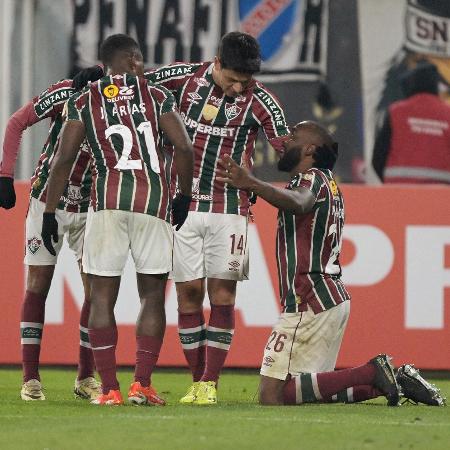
<point>237,60</point>
<point>423,78</point>
<point>121,54</point>
<point>309,145</point>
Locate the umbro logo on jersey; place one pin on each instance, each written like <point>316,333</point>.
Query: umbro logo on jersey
<point>232,110</point>
<point>194,97</point>
<point>240,98</point>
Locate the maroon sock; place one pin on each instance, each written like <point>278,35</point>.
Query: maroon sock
<point>31,327</point>
<point>326,386</point>
<point>219,335</point>
<point>192,332</point>
<point>330,383</point>
<point>86,358</point>
<point>147,353</point>
<point>365,392</point>
<point>103,342</point>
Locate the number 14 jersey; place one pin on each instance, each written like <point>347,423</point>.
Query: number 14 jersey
<point>121,115</point>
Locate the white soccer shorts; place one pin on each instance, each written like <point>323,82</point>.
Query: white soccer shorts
<point>211,245</point>
<point>305,342</point>
<point>70,225</point>
<point>111,234</point>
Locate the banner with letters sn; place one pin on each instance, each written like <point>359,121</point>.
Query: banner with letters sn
<point>396,265</point>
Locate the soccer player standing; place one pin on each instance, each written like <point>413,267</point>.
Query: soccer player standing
<point>71,215</point>
<point>122,117</point>
<point>223,108</point>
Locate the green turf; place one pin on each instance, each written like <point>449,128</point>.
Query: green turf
<point>237,422</point>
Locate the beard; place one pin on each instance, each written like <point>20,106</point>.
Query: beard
<point>289,160</point>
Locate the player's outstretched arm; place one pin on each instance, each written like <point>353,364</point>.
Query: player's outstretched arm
<point>299,201</point>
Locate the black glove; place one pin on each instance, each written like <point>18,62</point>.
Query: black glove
<point>180,209</point>
<point>7,193</point>
<point>49,231</point>
<point>82,78</point>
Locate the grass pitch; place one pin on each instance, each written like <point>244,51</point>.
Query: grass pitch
<point>237,422</point>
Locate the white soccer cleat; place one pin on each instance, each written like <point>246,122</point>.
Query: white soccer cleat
<point>87,388</point>
<point>32,390</point>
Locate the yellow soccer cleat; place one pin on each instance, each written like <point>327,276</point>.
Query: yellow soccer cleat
<point>191,394</point>
<point>88,388</point>
<point>32,390</point>
<point>206,393</point>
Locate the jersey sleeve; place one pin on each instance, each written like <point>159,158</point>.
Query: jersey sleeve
<point>164,98</point>
<point>308,180</point>
<point>270,116</point>
<point>172,76</point>
<point>75,106</point>
<point>51,102</point>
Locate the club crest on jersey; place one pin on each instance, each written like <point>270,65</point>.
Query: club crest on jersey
<point>232,110</point>
<point>194,97</point>
<point>201,81</point>
<point>34,244</point>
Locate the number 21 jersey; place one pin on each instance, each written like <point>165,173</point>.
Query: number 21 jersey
<point>121,115</point>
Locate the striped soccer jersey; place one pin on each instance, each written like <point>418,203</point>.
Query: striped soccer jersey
<point>308,247</point>
<point>121,115</point>
<point>75,198</point>
<point>219,125</point>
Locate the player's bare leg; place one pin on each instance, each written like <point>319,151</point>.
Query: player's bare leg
<point>271,391</point>
<point>103,334</point>
<point>39,279</point>
<point>86,386</point>
<point>150,328</point>
<point>220,330</point>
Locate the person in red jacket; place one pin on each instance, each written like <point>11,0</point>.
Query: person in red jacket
<point>413,143</point>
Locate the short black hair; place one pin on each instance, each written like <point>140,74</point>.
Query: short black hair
<point>326,152</point>
<point>240,52</point>
<point>423,78</point>
<point>117,43</point>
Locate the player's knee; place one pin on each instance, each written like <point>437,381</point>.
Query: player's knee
<point>270,391</point>
<point>190,297</point>
<point>39,279</point>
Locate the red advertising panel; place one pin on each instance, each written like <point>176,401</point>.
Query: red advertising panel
<point>396,264</point>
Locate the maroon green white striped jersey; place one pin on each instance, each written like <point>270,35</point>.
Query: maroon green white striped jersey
<point>308,247</point>
<point>121,115</point>
<point>50,104</point>
<point>219,125</point>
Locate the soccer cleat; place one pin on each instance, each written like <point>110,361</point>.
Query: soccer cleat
<point>88,388</point>
<point>112,398</point>
<point>416,388</point>
<point>32,390</point>
<point>191,394</point>
<point>385,379</point>
<point>140,395</point>
<point>206,393</point>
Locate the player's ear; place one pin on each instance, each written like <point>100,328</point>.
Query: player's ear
<point>310,149</point>
<point>217,63</point>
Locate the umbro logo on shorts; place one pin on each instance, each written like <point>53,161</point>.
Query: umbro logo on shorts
<point>234,266</point>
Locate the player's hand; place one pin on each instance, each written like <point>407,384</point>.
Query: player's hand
<point>82,78</point>
<point>232,173</point>
<point>180,210</point>
<point>49,231</point>
<point>7,193</point>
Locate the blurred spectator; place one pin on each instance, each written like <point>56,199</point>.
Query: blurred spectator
<point>413,143</point>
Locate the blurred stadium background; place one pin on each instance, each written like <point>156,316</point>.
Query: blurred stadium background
<point>334,61</point>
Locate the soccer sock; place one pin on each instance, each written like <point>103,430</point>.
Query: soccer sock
<point>31,327</point>
<point>219,335</point>
<point>316,387</point>
<point>86,358</point>
<point>192,332</point>
<point>103,342</point>
<point>147,353</point>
